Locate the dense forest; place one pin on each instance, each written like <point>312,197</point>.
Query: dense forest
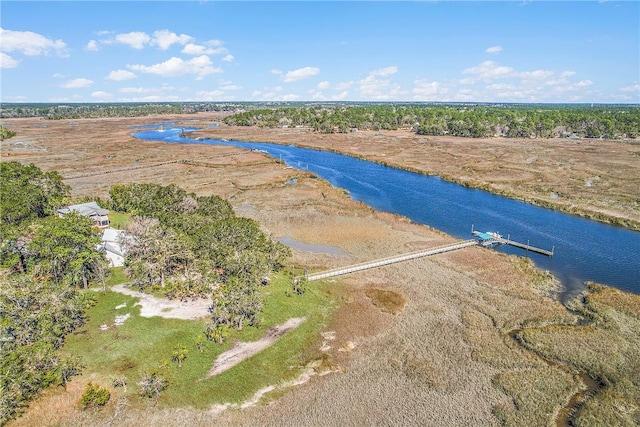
<point>474,120</point>
<point>90,110</point>
<point>177,244</point>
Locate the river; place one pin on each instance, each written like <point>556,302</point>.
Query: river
<point>584,250</point>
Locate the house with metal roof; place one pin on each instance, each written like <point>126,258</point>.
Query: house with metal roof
<point>99,215</point>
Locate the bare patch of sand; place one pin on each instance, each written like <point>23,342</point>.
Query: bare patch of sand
<point>151,306</point>
<point>244,350</point>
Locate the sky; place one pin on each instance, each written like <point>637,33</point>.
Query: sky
<point>418,51</point>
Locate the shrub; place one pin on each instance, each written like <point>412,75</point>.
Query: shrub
<point>94,396</point>
<point>151,385</point>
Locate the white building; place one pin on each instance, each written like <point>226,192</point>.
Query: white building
<point>111,246</point>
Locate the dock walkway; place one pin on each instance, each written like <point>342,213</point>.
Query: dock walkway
<point>526,247</point>
<point>390,260</point>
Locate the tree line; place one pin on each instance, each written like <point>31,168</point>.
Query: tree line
<point>177,243</point>
<point>472,120</point>
<point>106,110</point>
<point>47,262</point>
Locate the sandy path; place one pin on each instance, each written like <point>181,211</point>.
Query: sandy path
<point>171,309</point>
<point>245,350</point>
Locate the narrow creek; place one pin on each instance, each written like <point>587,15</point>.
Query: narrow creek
<point>566,414</point>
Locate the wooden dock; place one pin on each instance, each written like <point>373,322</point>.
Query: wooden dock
<point>527,247</point>
<point>390,260</point>
<point>488,239</point>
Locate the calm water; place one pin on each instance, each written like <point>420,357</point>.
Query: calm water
<point>584,250</point>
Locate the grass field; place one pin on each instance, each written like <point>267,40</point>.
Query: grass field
<point>146,345</point>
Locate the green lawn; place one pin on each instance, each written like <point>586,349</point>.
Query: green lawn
<point>147,344</point>
<point>118,219</point>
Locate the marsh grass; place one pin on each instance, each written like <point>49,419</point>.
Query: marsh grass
<point>386,300</point>
<point>146,344</point>
<point>607,349</point>
<point>491,346</point>
<point>538,394</point>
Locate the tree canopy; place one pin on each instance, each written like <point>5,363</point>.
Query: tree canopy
<point>42,257</point>
<point>187,245</point>
<point>464,120</point>
<point>29,193</point>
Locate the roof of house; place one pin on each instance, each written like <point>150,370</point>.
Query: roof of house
<point>85,209</point>
<point>113,248</point>
<point>111,235</point>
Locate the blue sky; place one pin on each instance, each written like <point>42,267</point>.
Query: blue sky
<point>447,51</point>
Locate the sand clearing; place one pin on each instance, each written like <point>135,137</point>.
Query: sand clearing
<point>244,350</point>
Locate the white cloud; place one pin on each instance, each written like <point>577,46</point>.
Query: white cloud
<point>152,98</point>
<point>426,90</point>
<point>213,95</point>
<point>490,70</point>
<point>101,95</point>
<point>270,94</point>
<point>492,82</point>
<point>77,83</point>
<point>300,74</point>
<point>165,38</point>
<point>147,92</point>
<point>228,58</point>
<point>376,87</point>
<point>135,39</point>
<point>29,43</point>
<point>140,90</point>
<point>344,85</point>
<point>227,85</point>
<point>494,50</point>
<point>8,62</point>
<point>324,85</point>
<point>92,46</point>
<point>536,75</point>
<point>317,95</point>
<point>340,96</point>
<point>384,72</point>
<point>211,47</point>
<point>196,49</point>
<point>200,66</point>
<point>584,83</point>
<point>120,75</point>
<point>277,72</point>
<point>631,89</point>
